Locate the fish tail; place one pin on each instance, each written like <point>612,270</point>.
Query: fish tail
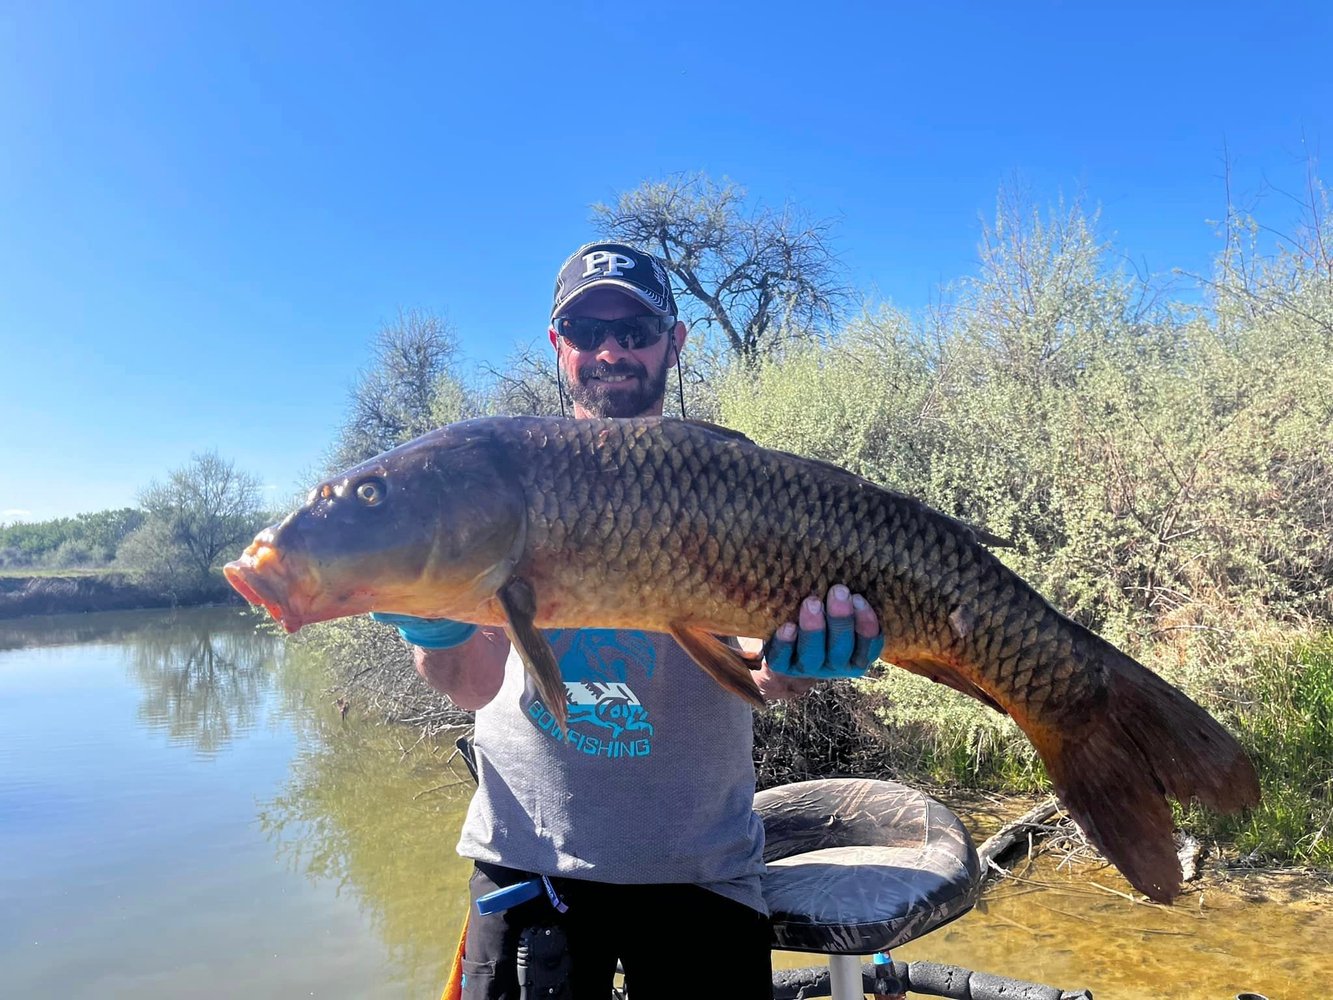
<point>1150,742</point>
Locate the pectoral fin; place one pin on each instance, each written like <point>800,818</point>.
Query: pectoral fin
<point>520,607</point>
<point>729,667</point>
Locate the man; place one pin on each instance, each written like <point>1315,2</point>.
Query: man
<point>637,822</point>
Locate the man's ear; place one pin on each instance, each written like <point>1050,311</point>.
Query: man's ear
<point>678,336</point>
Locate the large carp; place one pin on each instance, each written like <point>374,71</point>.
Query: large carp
<point>694,530</point>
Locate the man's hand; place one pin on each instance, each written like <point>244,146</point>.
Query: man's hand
<point>818,647</point>
<point>455,658</point>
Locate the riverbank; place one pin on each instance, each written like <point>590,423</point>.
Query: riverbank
<point>75,593</point>
<point>1054,844</point>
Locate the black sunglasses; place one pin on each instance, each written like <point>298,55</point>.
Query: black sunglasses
<point>632,333</point>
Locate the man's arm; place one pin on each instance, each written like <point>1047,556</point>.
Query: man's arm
<point>470,673</point>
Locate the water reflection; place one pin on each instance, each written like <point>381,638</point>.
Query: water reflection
<point>138,868</point>
<point>113,628</point>
<point>381,820</point>
<point>201,686</point>
<point>203,672</point>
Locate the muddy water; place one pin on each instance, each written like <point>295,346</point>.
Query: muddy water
<point>1074,924</point>
<point>1061,930</point>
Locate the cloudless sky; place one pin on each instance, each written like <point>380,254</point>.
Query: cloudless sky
<point>208,209</point>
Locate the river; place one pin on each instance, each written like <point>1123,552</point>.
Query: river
<point>185,812</point>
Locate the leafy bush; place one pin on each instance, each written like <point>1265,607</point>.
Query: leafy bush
<point>204,513</point>
<point>1163,472</point>
<point>85,541</point>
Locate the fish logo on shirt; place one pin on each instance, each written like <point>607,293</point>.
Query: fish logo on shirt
<point>596,668</point>
<point>603,654</point>
<point>611,706</point>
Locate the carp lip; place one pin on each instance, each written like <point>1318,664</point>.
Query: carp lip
<point>255,589</point>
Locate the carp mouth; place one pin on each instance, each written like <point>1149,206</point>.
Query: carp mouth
<point>289,587</point>
<point>258,577</point>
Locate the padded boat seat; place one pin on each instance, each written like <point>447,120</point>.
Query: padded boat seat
<point>857,866</point>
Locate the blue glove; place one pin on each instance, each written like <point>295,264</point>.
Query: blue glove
<point>834,651</point>
<point>428,633</point>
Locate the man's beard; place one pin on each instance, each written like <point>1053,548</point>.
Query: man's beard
<point>603,400</point>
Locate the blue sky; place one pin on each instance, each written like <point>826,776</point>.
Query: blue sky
<point>207,210</point>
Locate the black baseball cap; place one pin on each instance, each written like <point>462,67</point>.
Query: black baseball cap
<point>614,265</point>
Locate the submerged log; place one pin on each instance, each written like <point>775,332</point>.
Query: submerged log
<point>1034,824</point>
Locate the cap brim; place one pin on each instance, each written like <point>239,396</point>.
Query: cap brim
<point>623,286</point>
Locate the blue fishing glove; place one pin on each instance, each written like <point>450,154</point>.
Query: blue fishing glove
<point>827,653</point>
<point>428,633</point>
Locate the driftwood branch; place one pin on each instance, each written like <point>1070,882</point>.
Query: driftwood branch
<point>1189,851</point>
<point>1034,824</point>
<point>1019,831</point>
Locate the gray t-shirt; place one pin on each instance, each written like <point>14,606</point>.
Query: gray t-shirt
<point>653,782</point>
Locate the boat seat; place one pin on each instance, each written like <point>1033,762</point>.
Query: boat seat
<point>857,865</point>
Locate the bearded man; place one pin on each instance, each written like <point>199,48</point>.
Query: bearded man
<point>630,835</point>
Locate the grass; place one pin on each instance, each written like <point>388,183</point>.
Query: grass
<point>1287,725</point>
<point>949,739</point>
<point>1282,715</point>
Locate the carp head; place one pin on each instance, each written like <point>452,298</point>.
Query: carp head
<point>432,528</point>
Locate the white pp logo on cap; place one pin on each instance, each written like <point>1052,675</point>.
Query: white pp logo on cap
<point>613,263</point>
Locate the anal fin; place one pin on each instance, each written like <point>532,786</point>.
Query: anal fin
<point>520,608</point>
<point>942,672</point>
<point>729,667</point>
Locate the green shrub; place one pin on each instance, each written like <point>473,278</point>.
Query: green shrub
<point>1163,473</point>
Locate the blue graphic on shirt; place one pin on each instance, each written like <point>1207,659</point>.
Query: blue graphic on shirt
<point>606,718</point>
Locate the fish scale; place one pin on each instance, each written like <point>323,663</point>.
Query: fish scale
<point>682,527</point>
<point>794,500</point>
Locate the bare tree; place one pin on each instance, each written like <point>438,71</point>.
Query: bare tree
<point>206,510</point>
<point>526,382</point>
<point>411,387</point>
<point>759,276</point>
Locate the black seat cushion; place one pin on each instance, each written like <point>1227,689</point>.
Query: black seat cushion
<point>857,866</point>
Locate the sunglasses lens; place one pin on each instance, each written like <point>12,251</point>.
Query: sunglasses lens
<point>584,333</point>
<point>579,332</point>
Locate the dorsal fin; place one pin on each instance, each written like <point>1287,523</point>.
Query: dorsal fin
<point>719,429</point>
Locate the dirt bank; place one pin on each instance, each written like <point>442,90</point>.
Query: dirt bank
<point>50,595</point>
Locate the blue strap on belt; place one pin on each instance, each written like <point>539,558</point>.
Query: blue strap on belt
<point>510,895</point>
<point>520,892</point>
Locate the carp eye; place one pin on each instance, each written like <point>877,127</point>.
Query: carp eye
<point>371,492</point>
